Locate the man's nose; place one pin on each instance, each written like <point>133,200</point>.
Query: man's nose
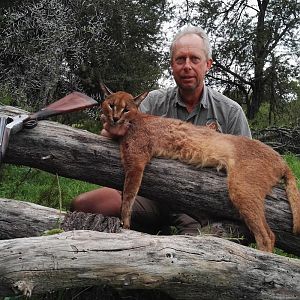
<point>187,64</point>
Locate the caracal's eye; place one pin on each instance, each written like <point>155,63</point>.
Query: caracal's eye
<point>111,105</point>
<point>125,110</point>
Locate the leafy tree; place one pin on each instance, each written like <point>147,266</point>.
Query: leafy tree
<point>51,47</point>
<point>137,61</point>
<point>256,47</point>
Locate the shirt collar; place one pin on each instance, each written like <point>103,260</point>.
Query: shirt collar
<point>203,101</point>
<point>204,97</point>
<point>178,99</point>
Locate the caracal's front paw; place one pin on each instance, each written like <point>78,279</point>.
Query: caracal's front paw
<point>125,224</point>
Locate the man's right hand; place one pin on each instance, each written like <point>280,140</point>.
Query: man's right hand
<point>113,132</point>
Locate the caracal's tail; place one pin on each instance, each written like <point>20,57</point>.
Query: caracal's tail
<point>293,195</point>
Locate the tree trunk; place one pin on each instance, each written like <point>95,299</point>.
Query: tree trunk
<point>259,54</point>
<point>183,267</point>
<point>82,155</point>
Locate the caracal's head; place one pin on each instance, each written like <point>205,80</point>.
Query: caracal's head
<point>120,108</point>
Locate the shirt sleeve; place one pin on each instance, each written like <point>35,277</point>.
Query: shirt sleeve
<point>145,106</point>
<point>238,124</point>
<point>155,103</point>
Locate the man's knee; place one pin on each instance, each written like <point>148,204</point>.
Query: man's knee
<point>104,201</point>
<point>77,204</point>
<point>186,224</point>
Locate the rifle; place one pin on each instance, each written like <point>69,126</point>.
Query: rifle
<point>12,124</point>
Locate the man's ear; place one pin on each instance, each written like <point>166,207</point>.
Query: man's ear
<point>209,64</point>
<point>138,99</point>
<point>106,91</point>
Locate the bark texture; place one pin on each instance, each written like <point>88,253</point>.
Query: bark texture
<point>181,266</point>
<point>22,219</point>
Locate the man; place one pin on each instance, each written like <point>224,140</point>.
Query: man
<point>192,101</point>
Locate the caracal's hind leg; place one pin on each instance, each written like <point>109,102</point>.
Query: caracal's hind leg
<point>250,204</point>
<point>254,216</point>
<point>133,178</point>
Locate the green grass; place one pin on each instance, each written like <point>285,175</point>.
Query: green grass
<point>32,185</point>
<point>277,251</point>
<point>282,253</point>
<point>294,163</point>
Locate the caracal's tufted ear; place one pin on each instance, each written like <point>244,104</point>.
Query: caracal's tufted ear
<point>138,99</point>
<point>106,91</point>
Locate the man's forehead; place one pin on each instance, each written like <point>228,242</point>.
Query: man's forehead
<point>190,42</point>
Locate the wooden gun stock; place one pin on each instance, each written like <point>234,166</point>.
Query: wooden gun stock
<point>73,102</point>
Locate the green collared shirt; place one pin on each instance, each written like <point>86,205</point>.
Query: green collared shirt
<point>214,108</point>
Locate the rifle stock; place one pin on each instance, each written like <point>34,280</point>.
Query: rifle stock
<point>73,102</point>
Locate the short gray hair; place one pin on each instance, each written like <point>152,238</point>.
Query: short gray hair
<point>192,30</point>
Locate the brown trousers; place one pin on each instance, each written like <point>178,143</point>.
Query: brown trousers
<point>155,218</point>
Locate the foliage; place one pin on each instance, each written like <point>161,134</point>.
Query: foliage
<point>136,28</point>
<point>37,39</point>
<point>89,124</point>
<point>288,116</point>
<point>256,48</point>
<point>49,48</point>
<point>282,253</point>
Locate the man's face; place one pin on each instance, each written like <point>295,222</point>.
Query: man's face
<point>189,62</point>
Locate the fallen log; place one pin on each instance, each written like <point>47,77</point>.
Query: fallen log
<point>78,154</point>
<point>19,219</point>
<point>183,267</point>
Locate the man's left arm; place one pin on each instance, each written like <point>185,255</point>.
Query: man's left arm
<point>238,124</point>
<point>146,105</point>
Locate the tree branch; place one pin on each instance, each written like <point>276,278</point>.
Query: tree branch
<point>229,71</point>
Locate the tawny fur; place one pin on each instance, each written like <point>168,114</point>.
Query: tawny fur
<point>253,168</point>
